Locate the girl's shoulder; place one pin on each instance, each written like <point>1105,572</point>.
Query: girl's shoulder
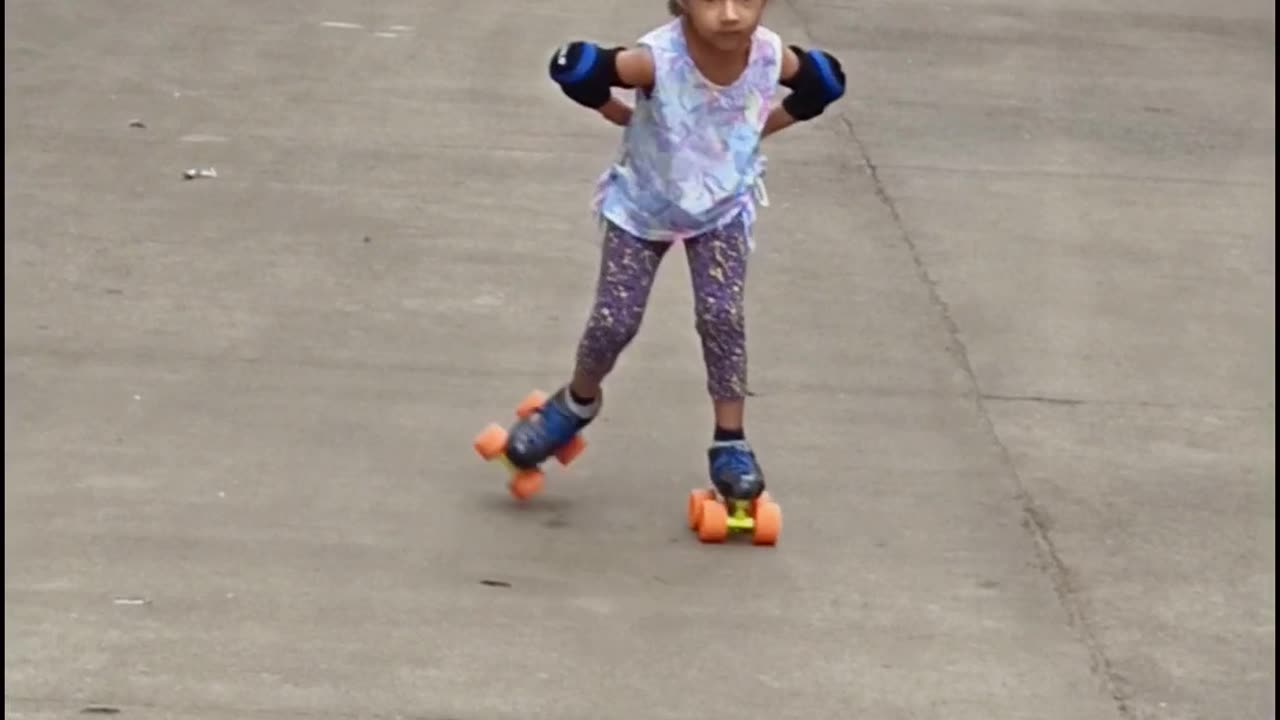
<point>768,38</point>
<point>667,36</point>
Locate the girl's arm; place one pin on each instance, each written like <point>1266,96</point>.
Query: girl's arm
<point>634,68</point>
<point>816,80</point>
<point>616,112</point>
<point>777,121</point>
<point>587,73</point>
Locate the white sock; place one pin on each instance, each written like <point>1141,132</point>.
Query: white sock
<point>586,412</point>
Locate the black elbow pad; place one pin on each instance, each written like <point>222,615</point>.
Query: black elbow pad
<point>819,82</point>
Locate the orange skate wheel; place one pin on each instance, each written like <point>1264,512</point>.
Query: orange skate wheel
<point>491,442</point>
<point>713,526</point>
<point>525,484</point>
<point>768,517</point>
<point>696,498</point>
<point>763,498</point>
<point>571,450</point>
<point>535,400</point>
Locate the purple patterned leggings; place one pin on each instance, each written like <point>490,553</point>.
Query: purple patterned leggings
<point>718,267</point>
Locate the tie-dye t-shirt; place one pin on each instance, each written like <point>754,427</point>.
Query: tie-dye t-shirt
<point>690,159</point>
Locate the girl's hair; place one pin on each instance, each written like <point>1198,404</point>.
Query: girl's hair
<point>673,7</point>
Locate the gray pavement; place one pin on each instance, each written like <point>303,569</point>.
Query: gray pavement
<point>1012,337</point>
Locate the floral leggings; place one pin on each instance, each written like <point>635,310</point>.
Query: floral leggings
<point>628,266</point>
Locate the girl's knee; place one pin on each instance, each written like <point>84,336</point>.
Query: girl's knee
<point>609,333</point>
<point>723,321</point>
<point>612,339</point>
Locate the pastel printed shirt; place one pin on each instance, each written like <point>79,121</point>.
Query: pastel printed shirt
<point>690,159</point>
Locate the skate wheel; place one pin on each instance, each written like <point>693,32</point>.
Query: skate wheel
<point>530,404</point>
<point>571,450</point>
<point>491,442</point>
<point>525,484</point>
<point>763,499</point>
<point>713,523</point>
<point>696,498</point>
<point>768,526</point>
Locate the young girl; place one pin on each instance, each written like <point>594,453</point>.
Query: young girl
<point>690,171</point>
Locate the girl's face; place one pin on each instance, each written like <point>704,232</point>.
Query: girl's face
<point>724,24</point>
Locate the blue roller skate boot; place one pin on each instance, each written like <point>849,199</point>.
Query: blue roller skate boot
<point>743,504</point>
<point>548,429</point>
<point>735,473</point>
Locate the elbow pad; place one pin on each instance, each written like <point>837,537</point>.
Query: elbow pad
<point>818,83</point>
<point>586,72</point>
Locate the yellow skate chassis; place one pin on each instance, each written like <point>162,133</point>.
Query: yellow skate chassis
<point>714,518</point>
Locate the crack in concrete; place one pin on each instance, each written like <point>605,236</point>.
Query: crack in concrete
<point>1032,519</point>
<point>87,708</point>
<point>1039,399</point>
<point>1058,174</point>
<point>1139,404</point>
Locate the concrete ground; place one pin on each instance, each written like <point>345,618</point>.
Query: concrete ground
<point>1012,338</point>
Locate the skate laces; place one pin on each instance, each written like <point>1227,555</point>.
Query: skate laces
<point>558,423</point>
<point>734,458</point>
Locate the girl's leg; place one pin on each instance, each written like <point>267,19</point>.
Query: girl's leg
<point>718,266</point>
<point>718,269</point>
<point>628,266</point>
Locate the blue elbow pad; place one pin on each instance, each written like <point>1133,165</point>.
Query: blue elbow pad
<point>586,72</point>
<point>819,82</point>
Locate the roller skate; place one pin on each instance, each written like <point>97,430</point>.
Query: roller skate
<point>545,427</point>
<point>737,500</point>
